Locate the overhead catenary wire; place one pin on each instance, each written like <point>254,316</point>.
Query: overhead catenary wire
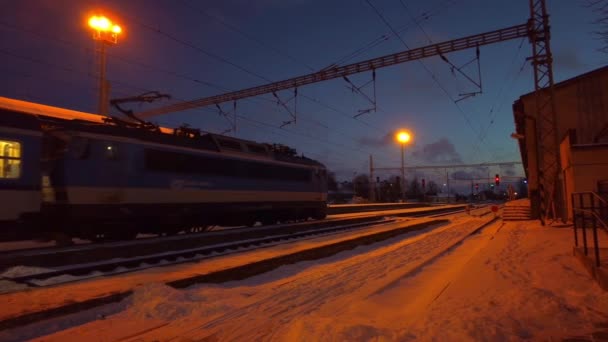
<point>243,33</point>
<point>252,73</point>
<point>444,90</point>
<point>492,112</point>
<point>185,43</point>
<point>149,67</point>
<point>76,71</point>
<point>426,15</point>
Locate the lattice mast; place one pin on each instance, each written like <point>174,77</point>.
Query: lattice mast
<point>547,138</point>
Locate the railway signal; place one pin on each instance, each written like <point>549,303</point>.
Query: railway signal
<point>497,179</point>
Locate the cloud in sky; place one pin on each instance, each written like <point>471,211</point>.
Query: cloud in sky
<point>568,58</point>
<point>508,170</point>
<point>385,140</point>
<point>476,173</point>
<point>440,151</point>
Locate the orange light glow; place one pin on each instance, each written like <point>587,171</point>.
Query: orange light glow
<point>101,23</point>
<point>403,137</point>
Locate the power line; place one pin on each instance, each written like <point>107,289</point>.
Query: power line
<point>492,113</point>
<point>427,15</point>
<point>148,66</point>
<point>54,38</point>
<point>64,68</point>
<point>482,133</point>
<point>226,61</point>
<point>221,59</point>
<point>467,120</point>
<point>236,29</point>
<point>415,22</point>
<point>38,76</point>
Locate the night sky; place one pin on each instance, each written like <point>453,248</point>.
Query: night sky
<point>193,49</point>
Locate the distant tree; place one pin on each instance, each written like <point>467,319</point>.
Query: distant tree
<point>389,190</point>
<point>600,9</point>
<point>361,185</point>
<point>332,185</point>
<point>432,188</point>
<point>395,190</point>
<point>414,190</point>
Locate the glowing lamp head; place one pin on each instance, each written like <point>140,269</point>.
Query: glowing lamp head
<point>100,23</point>
<point>104,29</point>
<point>103,24</point>
<point>403,137</point>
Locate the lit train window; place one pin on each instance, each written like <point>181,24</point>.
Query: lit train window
<point>10,159</point>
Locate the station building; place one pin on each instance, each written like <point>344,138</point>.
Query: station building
<point>582,119</point>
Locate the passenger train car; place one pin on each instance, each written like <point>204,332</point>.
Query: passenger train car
<point>90,176</point>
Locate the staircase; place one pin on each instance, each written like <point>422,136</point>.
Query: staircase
<point>517,210</point>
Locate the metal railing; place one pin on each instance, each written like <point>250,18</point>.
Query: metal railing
<point>589,210</point>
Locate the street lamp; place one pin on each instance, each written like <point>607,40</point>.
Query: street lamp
<point>403,137</point>
<point>104,33</point>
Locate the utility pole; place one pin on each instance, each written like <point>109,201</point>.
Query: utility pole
<point>372,180</point>
<point>447,177</point>
<point>105,33</point>
<point>104,85</point>
<point>402,172</point>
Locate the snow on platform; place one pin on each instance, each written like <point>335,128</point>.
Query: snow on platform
<point>512,281</point>
<point>388,212</point>
<point>38,299</point>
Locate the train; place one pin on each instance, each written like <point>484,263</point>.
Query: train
<point>94,177</point>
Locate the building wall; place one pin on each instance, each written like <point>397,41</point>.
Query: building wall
<point>590,165</point>
<point>568,173</point>
<point>581,105</point>
<point>583,166</point>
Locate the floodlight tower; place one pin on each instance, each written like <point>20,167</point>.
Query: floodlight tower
<point>104,33</point>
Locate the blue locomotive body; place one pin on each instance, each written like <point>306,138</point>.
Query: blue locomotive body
<point>87,177</point>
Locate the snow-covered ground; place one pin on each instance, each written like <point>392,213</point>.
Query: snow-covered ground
<point>513,281</point>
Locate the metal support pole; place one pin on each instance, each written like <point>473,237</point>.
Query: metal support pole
<point>582,206</point>
<point>596,247</point>
<point>403,172</point>
<point>372,180</point>
<point>447,178</point>
<point>102,104</point>
<point>472,191</point>
<point>574,222</point>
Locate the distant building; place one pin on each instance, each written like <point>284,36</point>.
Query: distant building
<point>582,118</point>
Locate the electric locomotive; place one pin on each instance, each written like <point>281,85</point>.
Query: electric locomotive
<point>89,176</point>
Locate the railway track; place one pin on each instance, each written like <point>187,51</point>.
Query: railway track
<point>64,304</point>
<point>124,265</point>
<point>57,256</point>
<point>84,253</point>
<point>88,261</point>
<point>6,237</point>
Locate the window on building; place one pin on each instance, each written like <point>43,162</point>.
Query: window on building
<point>10,159</point>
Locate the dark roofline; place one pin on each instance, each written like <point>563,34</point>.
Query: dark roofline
<point>573,79</point>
